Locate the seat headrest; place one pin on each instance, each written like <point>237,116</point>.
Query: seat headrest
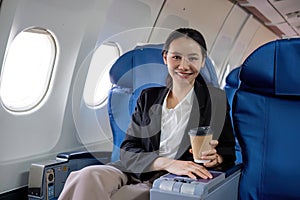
<point>126,69</point>
<point>273,68</point>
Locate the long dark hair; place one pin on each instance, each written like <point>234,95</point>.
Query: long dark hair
<point>184,32</point>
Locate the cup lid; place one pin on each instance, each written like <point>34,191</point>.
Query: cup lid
<point>202,130</point>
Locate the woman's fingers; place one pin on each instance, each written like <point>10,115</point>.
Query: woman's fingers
<point>190,169</point>
<point>214,143</point>
<point>196,170</point>
<point>203,172</point>
<point>213,161</point>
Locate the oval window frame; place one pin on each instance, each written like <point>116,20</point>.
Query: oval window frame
<point>15,106</point>
<point>105,72</point>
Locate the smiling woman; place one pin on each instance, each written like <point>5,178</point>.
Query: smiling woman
<point>184,61</point>
<point>181,51</point>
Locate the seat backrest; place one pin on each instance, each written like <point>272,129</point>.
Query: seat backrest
<point>134,71</point>
<point>232,84</point>
<point>140,68</point>
<point>266,113</point>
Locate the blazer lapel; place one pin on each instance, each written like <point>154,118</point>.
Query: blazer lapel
<point>156,118</point>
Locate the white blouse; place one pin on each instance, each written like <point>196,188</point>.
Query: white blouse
<point>173,125</point>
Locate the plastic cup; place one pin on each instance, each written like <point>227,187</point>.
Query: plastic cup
<point>200,138</point>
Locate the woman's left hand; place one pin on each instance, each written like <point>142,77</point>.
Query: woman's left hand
<point>214,158</point>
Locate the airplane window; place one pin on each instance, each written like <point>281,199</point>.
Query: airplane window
<point>27,69</point>
<point>98,83</point>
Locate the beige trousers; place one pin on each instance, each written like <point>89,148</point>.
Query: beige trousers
<point>102,182</point>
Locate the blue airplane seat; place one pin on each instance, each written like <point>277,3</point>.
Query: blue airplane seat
<point>266,114</point>
<point>232,84</point>
<point>134,71</point>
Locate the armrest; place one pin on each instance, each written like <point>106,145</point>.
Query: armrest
<point>102,156</point>
<point>47,178</point>
<point>224,185</point>
<point>236,168</point>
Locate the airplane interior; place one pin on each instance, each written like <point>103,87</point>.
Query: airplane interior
<point>72,71</point>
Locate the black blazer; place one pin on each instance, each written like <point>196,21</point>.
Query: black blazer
<point>141,145</point>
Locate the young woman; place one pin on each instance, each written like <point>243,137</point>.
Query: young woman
<point>157,141</point>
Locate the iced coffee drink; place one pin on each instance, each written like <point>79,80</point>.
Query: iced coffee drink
<point>200,138</point>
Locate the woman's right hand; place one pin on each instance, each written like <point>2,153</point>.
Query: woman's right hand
<point>180,167</point>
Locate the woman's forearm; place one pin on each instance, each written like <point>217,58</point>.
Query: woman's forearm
<point>161,163</point>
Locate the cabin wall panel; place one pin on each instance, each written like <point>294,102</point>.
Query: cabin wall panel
<point>49,129</point>
<point>207,16</point>
<point>262,35</point>
<point>129,22</point>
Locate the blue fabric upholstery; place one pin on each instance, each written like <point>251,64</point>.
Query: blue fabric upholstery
<point>266,114</point>
<point>232,84</point>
